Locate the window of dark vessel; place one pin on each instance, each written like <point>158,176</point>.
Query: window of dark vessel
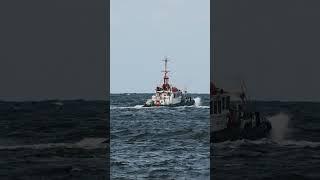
<point>223,103</point>
<point>215,107</point>
<point>227,102</point>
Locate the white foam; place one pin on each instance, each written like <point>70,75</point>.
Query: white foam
<point>279,124</point>
<point>138,106</point>
<point>197,101</point>
<point>134,107</point>
<point>126,107</point>
<point>203,107</point>
<point>58,103</point>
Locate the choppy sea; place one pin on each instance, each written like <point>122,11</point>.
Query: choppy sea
<point>68,140</point>
<point>159,142</point>
<point>54,140</point>
<point>291,151</point>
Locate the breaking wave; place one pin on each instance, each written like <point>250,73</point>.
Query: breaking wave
<point>280,127</point>
<point>265,141</point>
<point>197,101</point>
<point>131,107</point>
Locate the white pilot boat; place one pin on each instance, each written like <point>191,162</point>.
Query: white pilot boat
<point>168,95</point>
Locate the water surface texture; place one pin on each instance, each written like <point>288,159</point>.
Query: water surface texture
<point>54,140</point>
<point>159,142</point>
<point>292,151</point>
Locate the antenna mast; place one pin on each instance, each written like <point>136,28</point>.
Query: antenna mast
<point>165,77</point>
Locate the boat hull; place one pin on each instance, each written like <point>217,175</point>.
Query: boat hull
<point>236,133</point>
<point>188,103</point>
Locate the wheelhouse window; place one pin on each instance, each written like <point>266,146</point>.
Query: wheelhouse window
<point>227,102</point>
<point>215,108</point>
<point>223,103</point>
<point>219,106</point>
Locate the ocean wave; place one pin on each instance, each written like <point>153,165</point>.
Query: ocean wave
<point>132,107</point>
<point>265,141</point>
<point>86,143</point>
<point>58,103</point>
<point>301,143</point>
<point>204,107</point>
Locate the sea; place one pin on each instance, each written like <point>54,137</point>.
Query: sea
<point>290,151</point>
<point>159,142</point>
<point>69,139</point>
<point>54,139</point>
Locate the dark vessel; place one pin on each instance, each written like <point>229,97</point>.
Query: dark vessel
<point>231,119</point>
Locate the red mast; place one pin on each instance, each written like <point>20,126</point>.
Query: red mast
<point>165,77</point>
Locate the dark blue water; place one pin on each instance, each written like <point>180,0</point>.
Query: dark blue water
<point>68,140</point>
<point>292,151</point>
<point>54,140</point>
<point>159,142</point>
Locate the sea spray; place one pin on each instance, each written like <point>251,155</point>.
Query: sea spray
<point>279,124</point>
<point>197,101</point>
<point>138,106</point>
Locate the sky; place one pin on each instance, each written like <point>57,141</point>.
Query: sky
<point>142,32</point>
<point>53,50</point>
<point>272,45</point>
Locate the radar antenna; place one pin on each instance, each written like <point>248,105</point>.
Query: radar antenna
<point>165,77</point>
<point>243,92</point>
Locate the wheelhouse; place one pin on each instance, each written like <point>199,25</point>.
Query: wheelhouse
<point>220,103</point>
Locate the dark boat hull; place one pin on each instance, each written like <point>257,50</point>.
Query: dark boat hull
<point>236,133</point>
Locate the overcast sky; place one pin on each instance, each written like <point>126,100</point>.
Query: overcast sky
<point>53,50</point>
<point>144,31</point>
<point>273,45</point>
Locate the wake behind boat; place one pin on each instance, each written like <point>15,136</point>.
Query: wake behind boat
<point>168,95</point>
